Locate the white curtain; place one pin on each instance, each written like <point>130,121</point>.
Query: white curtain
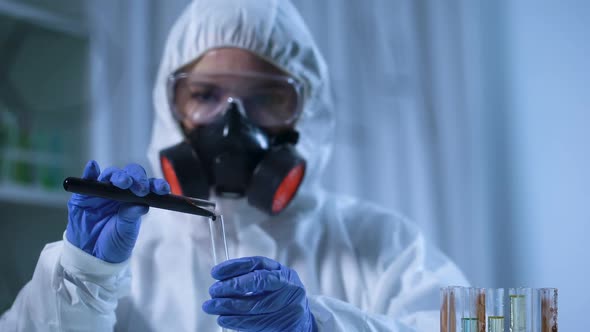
<point>127,40</point>
<point>413,129</point>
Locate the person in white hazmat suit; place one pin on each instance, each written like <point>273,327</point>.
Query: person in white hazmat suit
<point>308,260</point>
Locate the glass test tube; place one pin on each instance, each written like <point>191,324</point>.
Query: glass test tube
<point>468,315</point>
<point>448,315</point>
<point>218,242</point>
<point>444,310</point>
<point>463,310</point>
<point>480,308</point>
<point>455,313</point>
<point>474,310</point>
<point>548,312</point>
<point>521,311</point>
<point>495,309</point>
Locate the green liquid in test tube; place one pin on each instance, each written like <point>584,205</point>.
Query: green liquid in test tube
<point>469,324</point>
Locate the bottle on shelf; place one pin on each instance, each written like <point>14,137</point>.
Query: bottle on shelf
<point>8,142</point>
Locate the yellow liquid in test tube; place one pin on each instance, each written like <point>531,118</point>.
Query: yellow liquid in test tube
<point>496,324</point>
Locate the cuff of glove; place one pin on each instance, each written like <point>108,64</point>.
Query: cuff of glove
<point>75,259</point>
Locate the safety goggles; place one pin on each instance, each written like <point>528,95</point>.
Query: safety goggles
<point>267,100</point>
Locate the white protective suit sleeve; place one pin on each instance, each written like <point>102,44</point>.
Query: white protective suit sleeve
<point>335,315</point>
<point>70,291</point>
<point>338,316</point>
<point>393,279</point>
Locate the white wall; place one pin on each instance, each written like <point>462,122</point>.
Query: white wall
<point>549,59</point>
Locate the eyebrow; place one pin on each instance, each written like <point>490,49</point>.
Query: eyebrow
<point>202,84</point>
<point>272,86</point>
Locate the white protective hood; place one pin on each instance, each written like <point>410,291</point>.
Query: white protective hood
<point>273,30</point>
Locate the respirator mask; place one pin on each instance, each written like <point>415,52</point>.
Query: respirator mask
<point>239,138</point>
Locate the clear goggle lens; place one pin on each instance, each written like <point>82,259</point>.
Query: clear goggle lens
<point>267,100</point>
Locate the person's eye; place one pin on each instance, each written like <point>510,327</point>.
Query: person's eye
<point>269,100</point>
<point>205,96</point>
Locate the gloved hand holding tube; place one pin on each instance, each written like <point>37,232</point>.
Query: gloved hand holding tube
<point>259,294</point>
<point>105,228</point>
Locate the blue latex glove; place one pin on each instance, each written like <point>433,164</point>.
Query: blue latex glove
<point>259,294</point>
<point>105,228</point>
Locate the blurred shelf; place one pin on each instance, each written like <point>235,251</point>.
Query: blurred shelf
<point>34,157</point>
<point>31,195</point>
<point>42,17</point>
<point>44,38</point>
